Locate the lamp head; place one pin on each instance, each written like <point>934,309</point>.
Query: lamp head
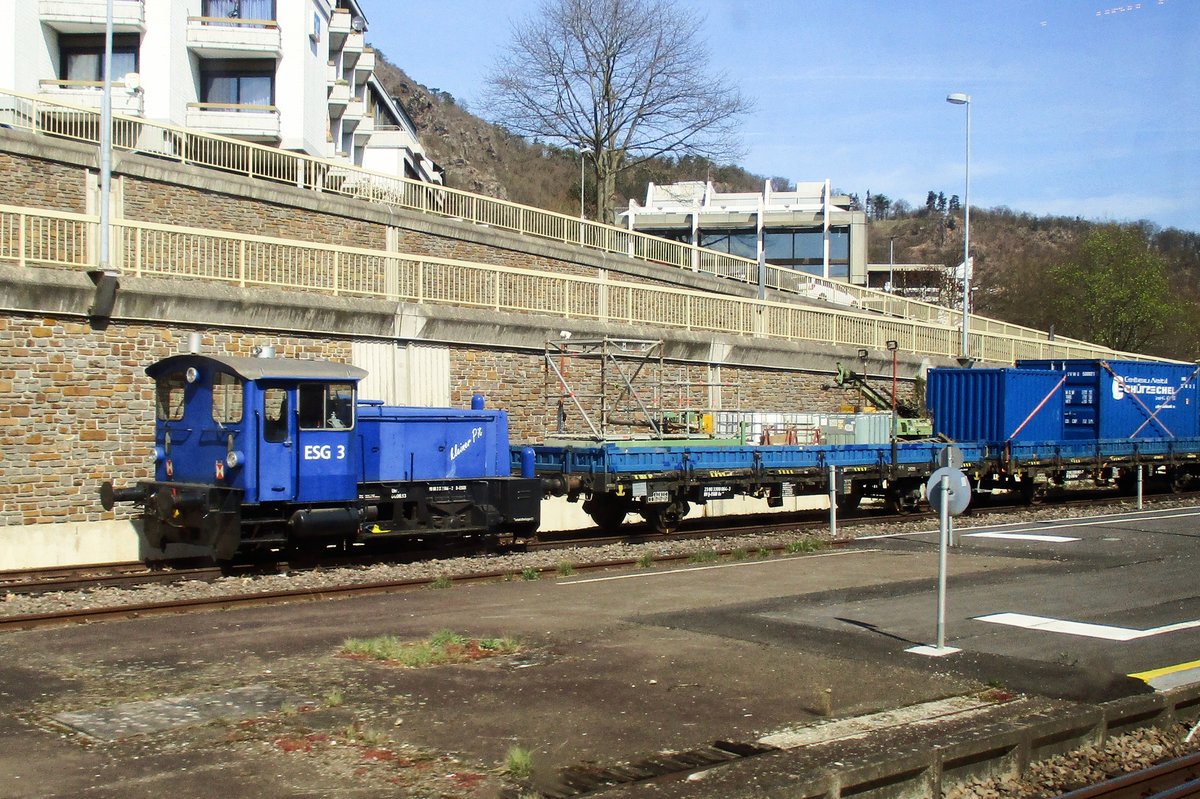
<point>958,98</point>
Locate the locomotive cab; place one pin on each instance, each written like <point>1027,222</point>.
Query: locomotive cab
<point>239,442</point>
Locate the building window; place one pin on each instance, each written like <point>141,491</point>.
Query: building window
<point>804,250</point>
<point>742,242</point>
<point>682,235</point>
<point>240,9</point>
<point>238,83</point>
<point>81,58</point>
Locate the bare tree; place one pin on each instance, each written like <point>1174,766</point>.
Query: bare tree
<point>625,80</point>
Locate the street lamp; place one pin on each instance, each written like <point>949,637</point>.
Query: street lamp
<point>958,98</point>
<point>891,265</point>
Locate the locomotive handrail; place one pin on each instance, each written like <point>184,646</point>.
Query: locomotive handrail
<point>37,237</point>
<point>137,135</point>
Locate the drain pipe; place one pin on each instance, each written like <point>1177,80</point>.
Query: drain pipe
<point>105,277</point>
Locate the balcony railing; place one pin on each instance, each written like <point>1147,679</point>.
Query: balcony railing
<point>90,93</point>
<point>90,16</point>
<point>235,119</point>
<point>328,175</point>
<point>40,238</point>
<point>229,37</point>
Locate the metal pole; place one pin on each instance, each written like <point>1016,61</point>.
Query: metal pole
<point>1139,487</point>
<point>966,303</point>
<point>832,501</point>
<point>106,140</point>
<point>891,265</point>
<point>959,98</point>
<point>944,529</point>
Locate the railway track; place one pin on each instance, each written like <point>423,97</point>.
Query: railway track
<point>1174,779</point>
<point>132,575</point>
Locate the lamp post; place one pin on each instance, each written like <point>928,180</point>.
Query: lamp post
<point>958,98</point>
<point>891,265</point>
<point>893,347</point>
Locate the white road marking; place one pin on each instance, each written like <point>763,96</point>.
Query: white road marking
<point>1085,629</point>
<point>1046,539</point>
<point>1090,521</point>
<point>706,568</point>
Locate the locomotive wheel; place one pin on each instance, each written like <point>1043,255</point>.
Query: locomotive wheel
<point>606,510</point>
<point>665,519</point>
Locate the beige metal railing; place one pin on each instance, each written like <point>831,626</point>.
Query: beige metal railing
<point>40,238</point>
<point>258,161</point>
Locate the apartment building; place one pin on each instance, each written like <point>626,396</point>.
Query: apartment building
<point>295,74</point>
<point>808,229</point>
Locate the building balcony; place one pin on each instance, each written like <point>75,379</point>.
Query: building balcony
<point>251,122</point>
<point>90,94</point>
<point>339,96</point>
<point>352,50</point>
<point>89,16</point>
<point>364,130</point>
<point>219,37</point>
<point>355,109</point>
<point>339,28</point>
<point>365,65</point>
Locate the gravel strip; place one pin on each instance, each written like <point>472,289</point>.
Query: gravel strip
<point>1056,775</point>
<point>316,579</point>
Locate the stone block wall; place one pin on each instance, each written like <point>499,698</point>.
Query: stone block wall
<point>42,183</point>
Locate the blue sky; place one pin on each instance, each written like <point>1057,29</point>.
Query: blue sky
<point>1078,108</point>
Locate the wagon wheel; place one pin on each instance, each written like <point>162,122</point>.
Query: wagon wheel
<point>896,501</point>
<point>849,502</point>
<point>1031,493</point>
<point>665,519</point>
<point>1181,480</point>
<point>607,511</point>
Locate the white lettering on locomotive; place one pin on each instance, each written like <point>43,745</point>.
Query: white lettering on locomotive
<point>324,452</point>
<point>463,446</point>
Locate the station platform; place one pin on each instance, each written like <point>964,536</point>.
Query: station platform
<point>784,676</point>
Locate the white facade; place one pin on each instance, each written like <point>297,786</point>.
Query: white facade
<point>809,229</point>
<point>296,74</point>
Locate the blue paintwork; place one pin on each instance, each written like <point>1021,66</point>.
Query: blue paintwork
<point>996,405</point>
<point>695,456</point>
<point>432,443</point>
<point>1150,400</point>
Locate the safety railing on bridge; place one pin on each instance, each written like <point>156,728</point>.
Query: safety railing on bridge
<point>188,146</point>
<point>39,238</point>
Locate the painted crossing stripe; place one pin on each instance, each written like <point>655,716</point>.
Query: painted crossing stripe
<point>1085,629</point>
<point>1046,539</point>
<point>1170,676</point>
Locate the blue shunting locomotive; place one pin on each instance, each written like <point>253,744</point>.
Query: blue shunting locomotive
<point>269,452</point>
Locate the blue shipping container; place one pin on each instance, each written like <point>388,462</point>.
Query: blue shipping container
<point>1127,399</point>
<point>996,405</point>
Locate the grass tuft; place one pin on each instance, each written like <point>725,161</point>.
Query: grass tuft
<point>444,646</point>
<point>518,763</point>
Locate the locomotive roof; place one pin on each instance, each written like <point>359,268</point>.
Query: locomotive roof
<point>259,368</point>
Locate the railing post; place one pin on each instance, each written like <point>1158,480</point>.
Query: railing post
<point>496,290</point>
<point>242,263</point>
<point>337,268</point>
<point>137,252</point>
<point>21,239</point>
<point>300,181</point>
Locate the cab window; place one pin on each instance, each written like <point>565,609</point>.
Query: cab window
<point>169,399</point>
<point>275,415</point>
<point>227,396</point>
<point>326,406</point>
